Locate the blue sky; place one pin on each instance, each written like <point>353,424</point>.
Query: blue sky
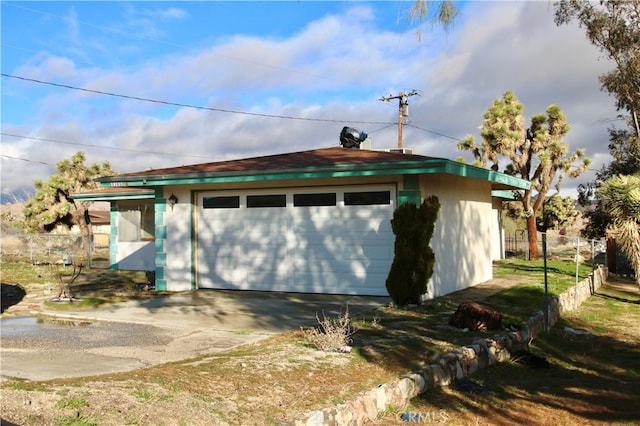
<point>324,63</point>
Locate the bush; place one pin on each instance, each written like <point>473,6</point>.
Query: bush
<point>413,259</point>
<point>331,334</point>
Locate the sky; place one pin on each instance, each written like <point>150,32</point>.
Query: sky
<point>193,82</point>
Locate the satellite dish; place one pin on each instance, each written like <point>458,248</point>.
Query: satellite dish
<point>351,138</point>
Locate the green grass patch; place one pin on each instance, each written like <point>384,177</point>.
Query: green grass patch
<point>27,385</point>
<point>143,395</point>
<point>76,420</point>
<point>73,403</point>
<point>562,272</point>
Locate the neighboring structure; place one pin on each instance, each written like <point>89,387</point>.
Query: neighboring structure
<point>314,221</point>
<point>100,227</point>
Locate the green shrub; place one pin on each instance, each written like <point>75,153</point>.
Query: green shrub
<point>413,259</point>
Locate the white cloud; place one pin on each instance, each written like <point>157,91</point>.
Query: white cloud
<point>169,13</point>
<point>334,68</point>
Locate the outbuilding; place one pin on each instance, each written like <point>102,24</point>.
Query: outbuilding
<point>314,221</point>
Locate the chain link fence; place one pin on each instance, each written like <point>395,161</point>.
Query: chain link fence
<point>603,251</point>
<point>67,249</point>
<point>558,246</point>
<point>93,251</point>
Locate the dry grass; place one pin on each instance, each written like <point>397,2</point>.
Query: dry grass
<point>331,334</point>
<point>593,379</point>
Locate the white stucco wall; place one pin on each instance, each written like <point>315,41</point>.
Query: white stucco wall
<point>497,231</point>
<point>178,246</point>
<point>136,256</point>
<point>462,239</point>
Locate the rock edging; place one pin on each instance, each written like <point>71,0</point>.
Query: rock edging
<point>454,365</point>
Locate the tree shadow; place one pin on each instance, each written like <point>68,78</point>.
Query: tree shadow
<point>593,378</point>
<point>620,289</point>
<point>12,294</point>
<point>619,299</point>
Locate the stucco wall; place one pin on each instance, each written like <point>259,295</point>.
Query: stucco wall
<point>136,256</point>
<point>178,245</point>
<point>462,239</point>
<point>497,231</point>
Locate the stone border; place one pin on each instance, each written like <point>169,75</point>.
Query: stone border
<point>454,365</point>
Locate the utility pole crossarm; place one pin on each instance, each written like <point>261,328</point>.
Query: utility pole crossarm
<point>403,109</point>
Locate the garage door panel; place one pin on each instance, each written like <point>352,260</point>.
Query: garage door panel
<point>319,249</point>
<point>329,280</point>
<point>210,227</point>
<point>229,278</point>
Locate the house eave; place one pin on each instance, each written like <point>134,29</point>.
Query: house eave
<point>427,166</point>
<point>123,194</point>
<point>504,195</point>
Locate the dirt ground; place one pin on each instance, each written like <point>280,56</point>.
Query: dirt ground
<point>271,381</point>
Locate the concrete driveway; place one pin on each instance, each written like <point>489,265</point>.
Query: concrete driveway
<point>137,334</point>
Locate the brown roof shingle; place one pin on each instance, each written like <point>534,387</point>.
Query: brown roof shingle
<point>294,160</point>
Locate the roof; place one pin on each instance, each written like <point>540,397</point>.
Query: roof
<point>318,163</point>
<point>99,217</point>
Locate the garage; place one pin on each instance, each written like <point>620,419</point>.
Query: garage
<point>335,240</point>
<point>315,221</point>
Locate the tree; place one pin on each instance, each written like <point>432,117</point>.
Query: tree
<point>413,259</point>
<point>52,204</point>
<point>624,147</point>
<point>445,13</point>
<point>556,212</point>
<point>536,154</point>
<point>613,27</point>
<point>620,196</point>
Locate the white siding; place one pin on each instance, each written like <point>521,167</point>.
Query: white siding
<point>337,249</point>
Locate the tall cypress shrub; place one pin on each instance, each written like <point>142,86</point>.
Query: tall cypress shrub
<point>413,259</point>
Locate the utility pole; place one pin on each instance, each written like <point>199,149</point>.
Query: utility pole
<point>403,109</point>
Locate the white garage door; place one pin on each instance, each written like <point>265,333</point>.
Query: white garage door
<point>329,240</point>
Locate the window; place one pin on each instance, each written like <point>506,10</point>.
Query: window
<point>136,222</point>
<point>367,198</point>
<point>227,202</point>
<point>308,200</point>
<point>256,201</point>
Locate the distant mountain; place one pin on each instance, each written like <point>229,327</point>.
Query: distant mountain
<point>17,197</point>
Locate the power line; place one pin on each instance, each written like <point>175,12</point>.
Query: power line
<point>173,154</point>
<point>25,159</point>
<point>381,128</point>
<point>230,111</point>
<point>434,132</point>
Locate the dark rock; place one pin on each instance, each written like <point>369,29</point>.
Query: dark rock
<point>469,386</point>
<point>476,316</point>
<point>524,357</point>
